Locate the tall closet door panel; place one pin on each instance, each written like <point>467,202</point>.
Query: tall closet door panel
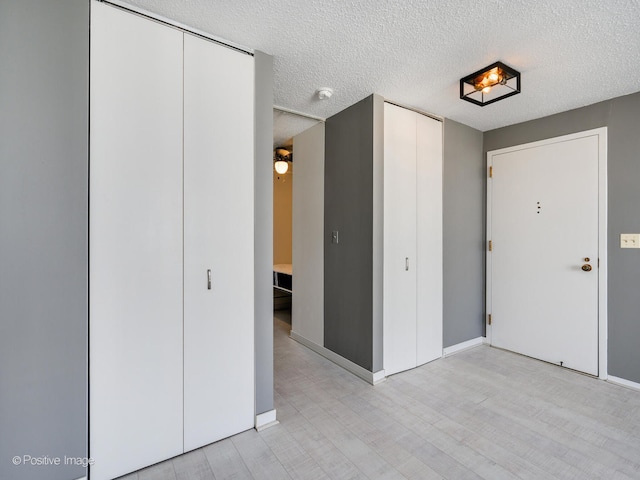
<point>429,237</point>
<point>135,242</point>
<point>399,264</point>
<point>218,234</point>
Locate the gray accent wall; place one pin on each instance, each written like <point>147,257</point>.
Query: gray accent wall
<point>348,209</point>
<point>263,231</point>
<point>464,187</point>
<point>621,116</point>
<point>44,106</point>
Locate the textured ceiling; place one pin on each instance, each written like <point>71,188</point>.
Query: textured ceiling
<point>286,125</point>
<point>571,52</point>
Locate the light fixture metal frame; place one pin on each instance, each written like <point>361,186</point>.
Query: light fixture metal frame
<point>511,73</point>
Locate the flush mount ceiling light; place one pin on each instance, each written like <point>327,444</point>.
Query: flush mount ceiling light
<point>281,158</point>
<point>492,83</point>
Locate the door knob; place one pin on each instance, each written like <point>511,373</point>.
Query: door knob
<point>586,267</point>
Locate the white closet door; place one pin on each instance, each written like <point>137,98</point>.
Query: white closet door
<point>135,242</point>
<point>218,235</point>
<point>429,231</point>
<point>399,306</point>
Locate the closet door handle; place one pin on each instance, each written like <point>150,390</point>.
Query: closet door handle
<point>209,279</point>
<point>406,264</point>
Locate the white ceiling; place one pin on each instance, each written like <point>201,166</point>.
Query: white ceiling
<point>571,53</point>
<point>286,125</point>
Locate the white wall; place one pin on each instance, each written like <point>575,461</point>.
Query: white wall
<point>307,316</point>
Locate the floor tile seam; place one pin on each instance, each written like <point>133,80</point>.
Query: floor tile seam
<point>540,435</point>
<point>244,460</point>
<point>585,445</point>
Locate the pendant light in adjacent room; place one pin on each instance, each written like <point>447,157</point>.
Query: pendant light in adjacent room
<point>281,158</point>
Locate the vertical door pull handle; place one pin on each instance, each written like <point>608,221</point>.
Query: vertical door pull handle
<point>406,263</point>
<point>209,279</point>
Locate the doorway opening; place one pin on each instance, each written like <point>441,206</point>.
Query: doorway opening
<point>288,127</point>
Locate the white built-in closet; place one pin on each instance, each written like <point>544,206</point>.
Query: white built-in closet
<point>412,302</point>
<point>171,242</point>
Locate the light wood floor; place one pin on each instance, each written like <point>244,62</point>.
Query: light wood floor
<point>481,414</point>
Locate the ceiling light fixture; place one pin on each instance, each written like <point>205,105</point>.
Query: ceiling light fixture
<point>324,93</point>
<point>492,83</point>
<point>281,158</point>
<point>281,167</point>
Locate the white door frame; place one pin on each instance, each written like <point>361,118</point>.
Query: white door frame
<point>601,133</point>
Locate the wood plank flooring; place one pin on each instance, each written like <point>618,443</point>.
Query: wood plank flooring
<point>481,414</point>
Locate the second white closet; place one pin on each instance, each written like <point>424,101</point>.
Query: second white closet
<point>412,302</point>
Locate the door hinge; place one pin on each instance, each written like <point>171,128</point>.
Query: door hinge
<point>489,320</point>
<point>491,171</point>
<point>490,246</point>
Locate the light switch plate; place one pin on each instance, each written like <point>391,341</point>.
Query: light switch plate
<point>630,240</point>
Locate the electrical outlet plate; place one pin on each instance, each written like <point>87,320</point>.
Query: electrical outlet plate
<point>630,240</point>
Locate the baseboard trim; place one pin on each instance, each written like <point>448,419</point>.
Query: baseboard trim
<point>453,349</point>
<point>371,377</point>
<point>81,478</point>
<point>266,420</point>
<point>379,376</point>
<point>623,382</point>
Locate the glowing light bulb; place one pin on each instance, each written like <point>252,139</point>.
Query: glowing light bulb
<point>281,167</point>
<point>493,77</point>
<point>486,89</point>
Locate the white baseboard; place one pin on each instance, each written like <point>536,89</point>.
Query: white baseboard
<point>379,376</point>
<point>623,382</point>
<point>474,342</point>
<point>371,377</point>
<point>266,420</point>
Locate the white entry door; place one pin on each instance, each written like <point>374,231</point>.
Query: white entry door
<point>544,216</point>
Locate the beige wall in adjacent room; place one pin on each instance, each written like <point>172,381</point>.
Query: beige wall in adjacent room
<point>282,207</point>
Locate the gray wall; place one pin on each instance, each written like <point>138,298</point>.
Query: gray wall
<point>464,208</point>
<point>44,54</point>
<point>621,116</point>
<point>263,232</point>
<point>348,208</point>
